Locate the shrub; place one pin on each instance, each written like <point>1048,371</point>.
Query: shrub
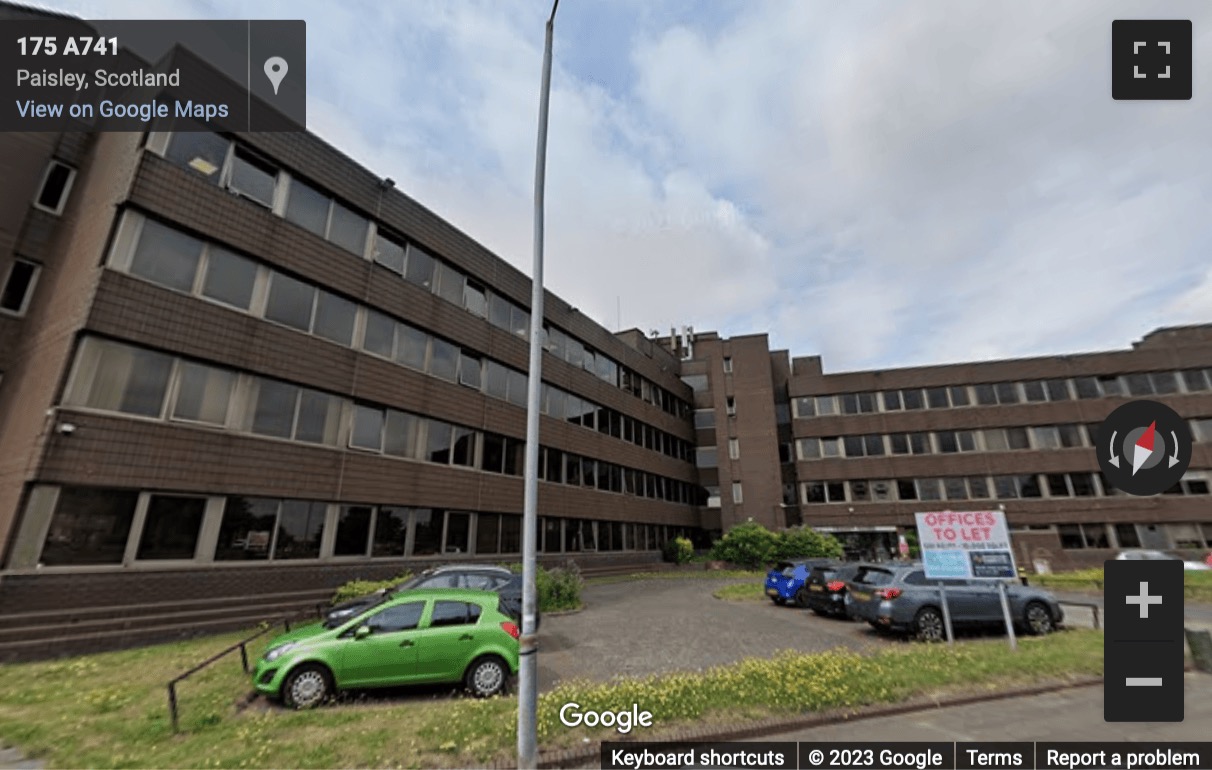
<point>806,543</point>
<point>749,545</point>
<point>752,546</point>
<point>679,550</point>
<point>355,588</point>
<point>559,588</point>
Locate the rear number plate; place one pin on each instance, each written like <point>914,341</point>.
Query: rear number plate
<point>815,588</point>
<point>862,597</point>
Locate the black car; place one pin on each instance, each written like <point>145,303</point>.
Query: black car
<point>824,591</point>
<point>499,580</point>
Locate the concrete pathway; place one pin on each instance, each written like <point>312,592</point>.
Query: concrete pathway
<point>13,759</point>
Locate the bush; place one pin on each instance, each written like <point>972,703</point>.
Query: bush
<point>806,543</point>
<point>752,546</point>
<point>355,588</point>
<point>748,545</point>
<point>679,550</point>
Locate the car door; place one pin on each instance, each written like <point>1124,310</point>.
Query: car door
<point>388,654</point>
<point>445,647</point>
<point>984,604</point>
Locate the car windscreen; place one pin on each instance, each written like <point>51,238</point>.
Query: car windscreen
<point>873,576</point>
<point>358,606</point>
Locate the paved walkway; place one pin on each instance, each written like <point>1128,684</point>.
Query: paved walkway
<point>1067,715</point>
<point>12,759</point>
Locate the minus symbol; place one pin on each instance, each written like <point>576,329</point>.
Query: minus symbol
<point>1143,681</point>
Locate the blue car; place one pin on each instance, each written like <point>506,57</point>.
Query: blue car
<point>785,581</point>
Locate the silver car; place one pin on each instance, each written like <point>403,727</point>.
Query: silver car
<point>899,599</point>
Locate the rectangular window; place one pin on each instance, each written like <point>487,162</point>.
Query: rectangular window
<point>1139,384</point>
<point>959,395</point>
<point>55,188</point>
<point>1096,535</point>
<point>488,533</point>
<point>463,453</point>
<point>1070,536</point>
<point>492,455</point>
<point>853,445</point>
<point>252,178</point>
<point>995,440</point>
<point>389,253</point>
<point>899,443</point>
<point>1083,484</point>
<point>866,403</point>
<point>892,400</point>
<point>947,442</point>
<point>1087,387</point>
<point>1028,486</point>
<point>906,489</point>
<point>1058,390</point>
<point>290,302</point>
<point>936,398</point>
<point>335,318</point>
<point>1016,438</point>
<point>391,531</point>
<point>300,529</point>
<point>511,534</point>
<point>809,448</point>
<point>444,362</point>
<point>849,402</point>
<point>730,406</point>
<point>1195,380</point>
<point>705,457</point>
<point>89,526</point>
<point>1164,382</point>
<point>518,384</point>
<point>929,489</point>
<point>246,532</point>
<point>978,487</point>
<point>1111,386</point>
<point>826,405</point>
<point>913,399</point>
<point>379,337</point>
<point>957,489</point>
<point>307,208</point>
<point>203,393</point>
<point>319,418</point>
<point>427,531</point>
<point>704,419</point>
<point>1034,391</point>
<point>734,449</point>
<point>368,428</point>
<point>873,444</point>
<point>450,284</point>
<point>1127,536</point>
<point>201,152</point>
<point>402,435</point>
<point>166,256</point>
<point>475,298</point>
<point>229,278</point>
<point>920,443</point>
<point>985,395</point>
<point>737,494</point>
<point>1006,487</point>
<point>171,528</point>
<point>19,287</point>
<point>438,442</point>
<point>348,229</point>
<point>1007,393</point>
<point>1070,435</point>
<point>831,447</point>
<point>412,347</point>
<point>274,414</point>
<point>728,364</point>
<point>420,267</point>
<point>353,531</point>
<point>860,491</point>
<point>1058,486</point>
<point>1046,437</point>
<point>835,491</point>
<point>469,370</point>
<point>119,378</point>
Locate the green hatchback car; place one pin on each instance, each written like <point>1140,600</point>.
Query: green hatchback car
<point>425,636</point>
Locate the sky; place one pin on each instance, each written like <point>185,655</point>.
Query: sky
<point>879,183</point>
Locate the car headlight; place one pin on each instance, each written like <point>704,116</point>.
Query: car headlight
<point>279,651</point>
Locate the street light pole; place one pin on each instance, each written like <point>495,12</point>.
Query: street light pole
<point>528,666</point>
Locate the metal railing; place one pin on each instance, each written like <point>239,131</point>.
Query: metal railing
<point>242,646</point>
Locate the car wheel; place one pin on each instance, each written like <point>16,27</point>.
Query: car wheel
<point>486,677</point>
<point>928,625</point>
<point>801,598</point>
<point>1039,619</point>
<point>307,686</point>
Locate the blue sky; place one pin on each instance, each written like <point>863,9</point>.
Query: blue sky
<point>880,183</point>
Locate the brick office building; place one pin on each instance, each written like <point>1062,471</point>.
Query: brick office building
<point>871,448</point>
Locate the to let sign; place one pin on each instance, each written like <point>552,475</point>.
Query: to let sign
<point>965,544</point>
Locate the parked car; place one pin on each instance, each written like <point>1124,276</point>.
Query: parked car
<point>786,578</point>
<point>900,599</point>
<point>1143,554</point>
<point>825,590</point>
<point>415,637</point>
<point>480,576</point>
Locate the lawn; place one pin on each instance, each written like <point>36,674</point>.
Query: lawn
<point>742,592</point>
<point>109,710</point>
<point>1197,585</point>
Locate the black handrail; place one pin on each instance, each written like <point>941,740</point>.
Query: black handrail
<point>242,646</point>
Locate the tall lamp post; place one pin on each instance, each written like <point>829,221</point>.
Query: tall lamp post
<point>528,667</point>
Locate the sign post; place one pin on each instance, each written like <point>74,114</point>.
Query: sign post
<point>968,545</point>
<point>942,595</point>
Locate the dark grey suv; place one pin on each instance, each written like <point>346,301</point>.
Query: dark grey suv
<point>899,599</point>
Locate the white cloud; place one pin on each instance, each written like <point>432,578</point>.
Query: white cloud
<point>882,184</point>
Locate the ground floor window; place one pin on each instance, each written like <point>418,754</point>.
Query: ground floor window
<point>171,527</point>
<point>90,526</point>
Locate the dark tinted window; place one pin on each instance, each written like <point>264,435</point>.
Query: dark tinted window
<point>90,526</point>
<point>446,580</point>
<point>454,614</point>
<point>401,617</point>
<point>915,578</point>
<point>171,528</point>
<point>873,577</point>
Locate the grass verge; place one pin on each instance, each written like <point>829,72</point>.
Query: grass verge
<point>742,592</point>
<point>108,710</point>
<point>1197,586</point>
